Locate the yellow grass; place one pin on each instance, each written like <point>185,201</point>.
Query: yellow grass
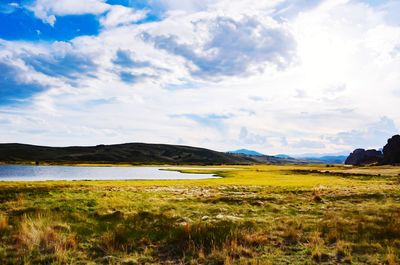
<point>257,175</point>
<point>260,214</point>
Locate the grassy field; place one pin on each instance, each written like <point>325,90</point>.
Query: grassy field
<point>253,215</point>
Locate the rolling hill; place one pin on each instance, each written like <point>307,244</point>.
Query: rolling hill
<point>119,153</point>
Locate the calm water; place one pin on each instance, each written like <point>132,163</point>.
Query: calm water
<point>41,173</point>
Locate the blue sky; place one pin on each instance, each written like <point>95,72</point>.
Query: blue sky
<point>278,76</point>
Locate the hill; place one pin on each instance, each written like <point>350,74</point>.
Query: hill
<point>245,152</point>
<point>119,153</point>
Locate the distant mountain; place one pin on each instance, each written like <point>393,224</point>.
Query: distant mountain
<point>246,152</point>
<point>120,153</point>
<point>318,155</point>
<point>284,156</point>
<point>325,159</point>
<point>267,159</point>
<point>316,158</point>
<point>332,159</point>
<point>336,158</point>
<point>297,159</point>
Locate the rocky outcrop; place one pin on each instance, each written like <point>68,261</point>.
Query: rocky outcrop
<point>364,157</point>
<point>391,151</point>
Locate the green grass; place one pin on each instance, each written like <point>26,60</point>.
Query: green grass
<point>253,215</point>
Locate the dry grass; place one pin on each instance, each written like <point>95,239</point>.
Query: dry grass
<point>316,244</point>
<point>343,251</point>
<point>391,258</point>
<point>255,215</point>
<point>45,236</point>
<point>3,222</point>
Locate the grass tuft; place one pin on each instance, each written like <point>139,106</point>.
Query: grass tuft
<point>39,235</point>
<point>391,258</point>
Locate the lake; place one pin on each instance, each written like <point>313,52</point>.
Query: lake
<point>43,173</point>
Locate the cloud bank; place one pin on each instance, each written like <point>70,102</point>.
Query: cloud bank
<point>274,76</point>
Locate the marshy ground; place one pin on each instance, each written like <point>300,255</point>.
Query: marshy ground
<point>253,215</point>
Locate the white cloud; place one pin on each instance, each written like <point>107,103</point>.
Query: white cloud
<point>341,80</point>
<point>231,47</point>
<point>369,136</point>
<point>120,15</point>
<point>248,138</point>
<point>47,10</point>
<point>188,5</point>
<point>308,144</point>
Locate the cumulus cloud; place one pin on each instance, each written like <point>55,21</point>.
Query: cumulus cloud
<point>47,10</point>
<point>209,120</point>
<point>396,51</point>
<point>124,58</point>
<point>199,59</point>
<point>111,15</point>
<point>249,138</point>
<point>133,78</point>
<point>14,86</point>
<point>372,136</point>
<point>188,5</point>
<point>70,65</point>
<point>308,144</point>
<point>128,77</point>
<point>120,15</point>
<point>234,47</point>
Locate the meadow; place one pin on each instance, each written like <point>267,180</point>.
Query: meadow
<point>261,214</point>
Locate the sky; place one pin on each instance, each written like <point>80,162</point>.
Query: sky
<point>276,76</point>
